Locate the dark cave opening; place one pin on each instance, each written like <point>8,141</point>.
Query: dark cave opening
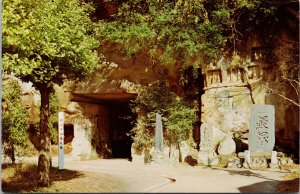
<point>121,121</point>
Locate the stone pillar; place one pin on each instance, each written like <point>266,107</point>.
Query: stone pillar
<point>274,160</point>
<point>158,155</point>
<point>207,154</point>
<point>247,161</point>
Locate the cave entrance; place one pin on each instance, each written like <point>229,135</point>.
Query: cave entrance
<point>121,121</point>
<point>114,122</point>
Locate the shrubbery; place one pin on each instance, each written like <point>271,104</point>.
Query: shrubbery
<point>178,115</point>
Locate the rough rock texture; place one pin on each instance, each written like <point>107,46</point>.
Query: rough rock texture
<point>258,163</point>
<point>187,150</point>
<point>174,154</point>
<point>210,138</point>
<point>226,146</point>
<point>228,108</point>
<point>32,100</point>
<point>83,133</point>
<point>190,160</point>
<point>208,158</point>
<point>234,162</point>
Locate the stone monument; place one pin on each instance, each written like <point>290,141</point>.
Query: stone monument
<point>158,155</point>
<point>262,128</point>
<point>261,136</point>
<point>207,154</point>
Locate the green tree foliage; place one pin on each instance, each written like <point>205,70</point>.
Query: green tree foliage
<point>179,123</point>
<point>178,115</point>
<point>185,31</point>
<point>156,97</point>
<point>46,42</point>
<point>14,118</point>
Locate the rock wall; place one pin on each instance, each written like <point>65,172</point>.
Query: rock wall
<point>229,96</point>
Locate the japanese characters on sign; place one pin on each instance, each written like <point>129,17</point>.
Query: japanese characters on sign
<point>262,134</point>
<point>60,140</point>
<point>262,128</point>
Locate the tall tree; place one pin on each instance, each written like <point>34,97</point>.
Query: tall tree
<point>46,42</point>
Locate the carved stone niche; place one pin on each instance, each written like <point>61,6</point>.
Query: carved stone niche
<point>236,75</point>
<point>213,76</point>
<point>253,72</point>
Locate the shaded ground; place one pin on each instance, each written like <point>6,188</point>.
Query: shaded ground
<point>288,186</point>
<point>123,176</point>
<point>22,178</point>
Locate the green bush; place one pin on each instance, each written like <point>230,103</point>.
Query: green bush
<point>177,114</point>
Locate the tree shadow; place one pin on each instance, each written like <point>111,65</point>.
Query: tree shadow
<point>24,177</point>
<point>245,173</point>
<point>261,187</point>
<point>270,185</point>
<point>291,186</point>
<point>288,186</point>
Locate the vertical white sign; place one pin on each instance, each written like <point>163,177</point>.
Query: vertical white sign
<point>60,140</point>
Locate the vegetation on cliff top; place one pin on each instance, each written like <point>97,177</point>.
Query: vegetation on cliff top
<point>186,32</point>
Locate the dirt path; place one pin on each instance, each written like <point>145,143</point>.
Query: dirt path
<point>178,178</point>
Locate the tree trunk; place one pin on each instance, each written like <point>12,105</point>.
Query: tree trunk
<point>44,154</point>
<point>13,159</point>
<point>180,154</point>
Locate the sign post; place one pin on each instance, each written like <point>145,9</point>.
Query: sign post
<point>60,140</point>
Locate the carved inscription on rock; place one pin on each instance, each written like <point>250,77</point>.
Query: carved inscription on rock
<point>206,137</point>
<point>262,129</point>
